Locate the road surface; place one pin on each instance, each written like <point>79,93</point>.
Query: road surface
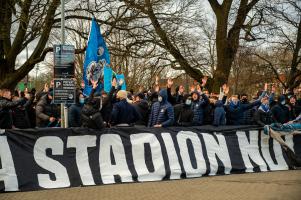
<point>283,185</point>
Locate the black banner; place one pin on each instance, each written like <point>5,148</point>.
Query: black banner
<point>36,159</point>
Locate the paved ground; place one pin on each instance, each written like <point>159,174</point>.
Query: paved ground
<point>285,185</point>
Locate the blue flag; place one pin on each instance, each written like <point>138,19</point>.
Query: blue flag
<point>97,57</point>
<point>121,77</point>
<point>108,75</point>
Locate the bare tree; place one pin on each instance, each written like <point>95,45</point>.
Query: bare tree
<point>284,40</point>
<point>32,22</point>
<point>228,37</point>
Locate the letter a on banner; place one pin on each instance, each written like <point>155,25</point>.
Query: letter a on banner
<point>7,171</point>
<point>113,142</point>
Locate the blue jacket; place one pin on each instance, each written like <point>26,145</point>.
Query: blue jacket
<point>198,109</point>
<point>219,114</point>
<point>161,112</point>
<point>124,113</point>
<point>235,113</point>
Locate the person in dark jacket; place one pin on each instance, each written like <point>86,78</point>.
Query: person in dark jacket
<point>47,113</point>
<point>219,114</point>
<point>248,115</point>
<point>90,113</point>
<point>6,104</point>
<point>199,101</point>
<point>178,97</point>
<point>294,107</point>
<point>123,112</point>
<point>74,111</point>
<point>20,114</point>
<point>142,108</point>
<point>162,112</point>
<point>183,113</point>
<point>30,107</point>
<point>235,109</point>
<point>280,111</point>
<point>263,116</point>
<point>209,111</point>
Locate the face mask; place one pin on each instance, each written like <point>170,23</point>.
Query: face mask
<point>282,102</point>
<point>160,99</point>
<point>81,100</point>
<point>188,102</point>
<point>235,102</point>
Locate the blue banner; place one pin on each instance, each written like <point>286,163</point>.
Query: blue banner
<point>121,77</point>
<point>108,75</point>
<point>97,57</point>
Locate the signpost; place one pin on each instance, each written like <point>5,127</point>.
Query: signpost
<point>64,56</point>
<point>64,91</point>
<point>64,68</point>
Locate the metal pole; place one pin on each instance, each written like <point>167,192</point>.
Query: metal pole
<point>63,42</point>
<point>37,69</point>
<point>27,59</point>
<point>63,21</point>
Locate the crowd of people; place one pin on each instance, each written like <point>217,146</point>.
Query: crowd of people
<point>157,107</point>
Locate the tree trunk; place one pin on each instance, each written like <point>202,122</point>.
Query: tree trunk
<point>225,54</point>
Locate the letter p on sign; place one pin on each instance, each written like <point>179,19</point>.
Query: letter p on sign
<point>57,49</point>
<point>58,84</point>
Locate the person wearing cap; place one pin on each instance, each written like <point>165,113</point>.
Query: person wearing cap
<point>162,112</point>
<point>123,113</point>
<point>47,113</point>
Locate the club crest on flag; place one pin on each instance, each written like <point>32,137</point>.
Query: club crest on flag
<point>97,58</point>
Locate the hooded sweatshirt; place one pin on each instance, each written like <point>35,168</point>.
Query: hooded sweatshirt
<point>161,112</point>
<point>197,107</point>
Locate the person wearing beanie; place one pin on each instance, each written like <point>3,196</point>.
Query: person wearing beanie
<point>123,112</point>
<point>162,112</point>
